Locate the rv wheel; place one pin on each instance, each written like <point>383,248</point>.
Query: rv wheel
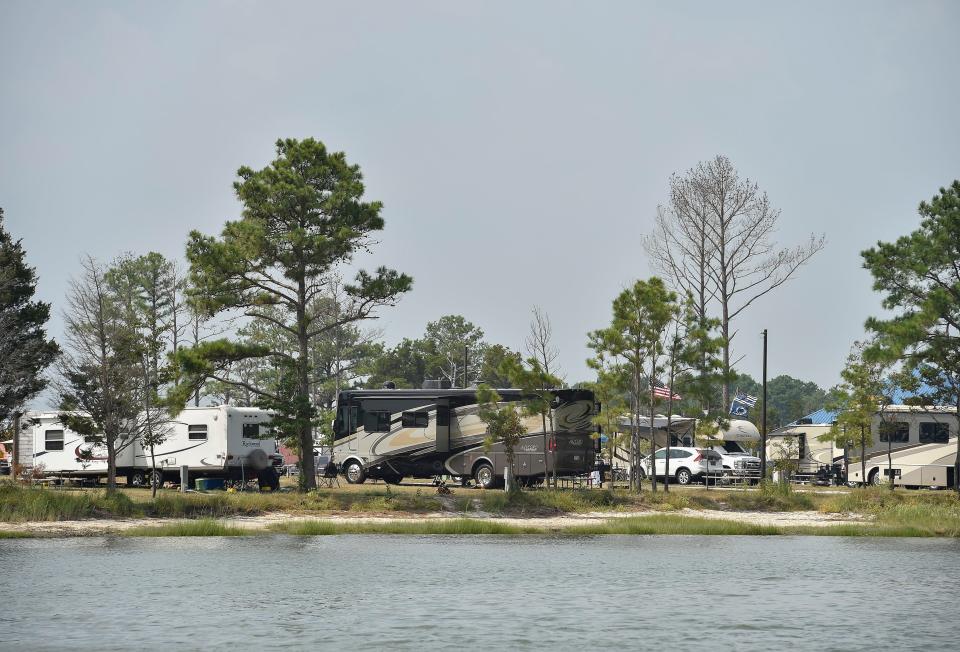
<point>268,479</point>
<point>484,476</point>
<point>355,473</point>
<point>157,478</point>
<point>876,479</point>
<point>137,479</point>
<point>392,478</point>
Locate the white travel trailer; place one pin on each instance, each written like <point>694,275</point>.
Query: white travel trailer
<point>227,442</point>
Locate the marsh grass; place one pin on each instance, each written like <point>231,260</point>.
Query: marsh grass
<point>204,527</point>
<point>19,503</point>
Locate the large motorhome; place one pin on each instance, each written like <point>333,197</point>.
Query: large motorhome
<point>922,441</point>
<point>390,434</point>
<point>227,442</point>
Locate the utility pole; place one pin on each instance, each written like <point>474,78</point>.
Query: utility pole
<point>763,418</point>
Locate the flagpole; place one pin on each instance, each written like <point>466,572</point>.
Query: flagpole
<point>763,419</point>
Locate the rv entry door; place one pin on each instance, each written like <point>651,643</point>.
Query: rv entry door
<point>443,427</point>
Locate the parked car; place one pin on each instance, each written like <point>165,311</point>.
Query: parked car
<point>686,463</point>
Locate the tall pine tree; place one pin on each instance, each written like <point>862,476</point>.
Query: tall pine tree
<point>25,349</point>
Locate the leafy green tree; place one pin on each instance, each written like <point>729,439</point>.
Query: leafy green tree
<point>641,315</point>
<point>610,389</point>
<point>303,218</point>
<point>693,367</point>
<point>404,365</point>
<point>25,349</point>
<point>141,288</point>
<point>919,276</point>
<point>535,385</point>
<point>103,389</point>
<point>504,425</point>
<point>449,338</point>
<point>493,360</point>
<point>856,401</point>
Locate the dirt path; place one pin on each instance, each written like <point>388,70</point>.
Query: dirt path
<point>97,527</point>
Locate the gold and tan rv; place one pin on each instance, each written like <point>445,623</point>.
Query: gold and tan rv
<point>391,434</point>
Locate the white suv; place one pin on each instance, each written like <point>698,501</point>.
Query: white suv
<point>685,463</point>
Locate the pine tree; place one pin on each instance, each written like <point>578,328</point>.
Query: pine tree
<point>25,349</point>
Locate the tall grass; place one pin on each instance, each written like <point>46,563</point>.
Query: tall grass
<point>18,503</point>
<point>199,528</point>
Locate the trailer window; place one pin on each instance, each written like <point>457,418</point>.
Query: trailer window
<point>197,432</point>
<point>378,421</point>
<point>53,440</point>
<point>896,431</point>
<point>415,419</point>
<point>932,432</point>
<point>251,431</point>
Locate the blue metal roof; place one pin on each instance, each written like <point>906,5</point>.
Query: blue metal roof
<point>821,417</point>
<point>824,417</point>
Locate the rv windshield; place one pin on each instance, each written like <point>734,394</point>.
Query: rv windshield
<point>733,448</point>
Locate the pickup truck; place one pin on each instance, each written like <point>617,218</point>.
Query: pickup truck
<point>738,462</point>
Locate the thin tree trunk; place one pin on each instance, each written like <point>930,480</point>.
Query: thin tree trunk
<point>308,479</point>
<point>153,473</point>
<point>956,461</point>
<point>863,456</point>
<point>653,436</point>
<point>111,464</point>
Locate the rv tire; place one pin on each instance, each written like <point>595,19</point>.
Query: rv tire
<point>392,478</point>
<point>268,479</point>
<point>875,478</point>
<point>484,476</point>
<point>354,472</point>
<point>137,479</point>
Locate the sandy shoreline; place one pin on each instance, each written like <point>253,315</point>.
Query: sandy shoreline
<point>97,527</point>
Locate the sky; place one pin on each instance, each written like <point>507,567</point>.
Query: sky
<point>520,148</point>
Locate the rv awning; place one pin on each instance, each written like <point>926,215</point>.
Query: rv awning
<point>678,424</point>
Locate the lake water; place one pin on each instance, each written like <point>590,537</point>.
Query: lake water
<point>494,593</point>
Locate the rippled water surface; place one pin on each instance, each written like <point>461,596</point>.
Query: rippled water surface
<point>495,593</point>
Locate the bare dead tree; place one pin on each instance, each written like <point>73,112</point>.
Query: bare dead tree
<point>715,240</point>
<point>539,346</point>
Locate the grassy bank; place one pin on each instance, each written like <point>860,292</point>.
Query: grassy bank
<point>19,503</point>
<point>897,513</point>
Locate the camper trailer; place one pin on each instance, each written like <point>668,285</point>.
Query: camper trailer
<point>390,434</point>
<point>227,442</point>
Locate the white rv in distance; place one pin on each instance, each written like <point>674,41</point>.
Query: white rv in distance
<point>213,442</point>
<point>923,441</point>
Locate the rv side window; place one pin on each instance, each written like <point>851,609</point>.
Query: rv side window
<point>251,431</point>
<point>378,421</point>
<point>53,440</point>
<point>197,432</point>
<point>897,431</point>
<point>415,419</point>
<point>934,433</point>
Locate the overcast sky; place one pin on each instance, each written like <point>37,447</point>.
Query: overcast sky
<point>520,148</point>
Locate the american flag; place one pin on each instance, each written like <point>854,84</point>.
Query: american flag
<point>661,390</point>
<point>746,399</point>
